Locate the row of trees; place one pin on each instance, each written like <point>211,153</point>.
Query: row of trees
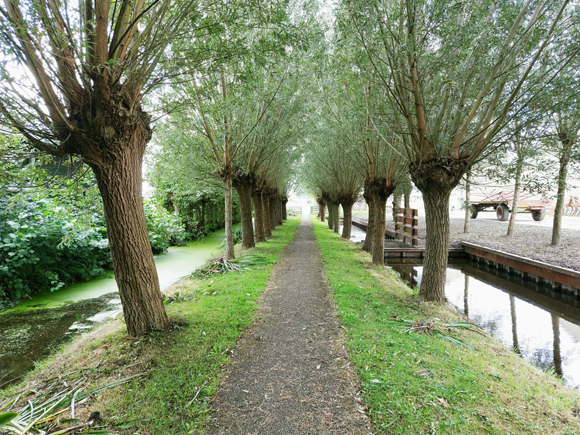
<point>429,89</point>
<point>76,77</point>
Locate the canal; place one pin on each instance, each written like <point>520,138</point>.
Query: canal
<point>537,323</point>
<point>35,328</point>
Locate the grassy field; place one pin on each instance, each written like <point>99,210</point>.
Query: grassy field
<point>181,368</point>
<point>416,383</point>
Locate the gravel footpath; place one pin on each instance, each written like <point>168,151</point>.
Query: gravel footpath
<point>290,373</point>
<point>527,241</point>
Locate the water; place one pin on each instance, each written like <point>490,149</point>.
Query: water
<point>542,326</point>
<point>31,330</point>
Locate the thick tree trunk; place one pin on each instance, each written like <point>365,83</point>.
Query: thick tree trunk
<point>368,243</point>
<point>436,179</point>
<point>378,246</point>
<point>228,216</point>
<point>119,180</point>
<point>330,215</point>
<point>245,194</point>
<point>347,221</point>
<point>516,199</point>
<point>266,215</point>
<point>437,245</point>
<point>258,217</point>
<point>467,204</point>
<point>336,218</point>
<point>284,209</point>
<point>396,205</point>
<point>323,213</point>
<point>559,211</point>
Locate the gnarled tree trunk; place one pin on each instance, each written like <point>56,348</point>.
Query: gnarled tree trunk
<point>368,243</point>
<point>336,218</point>
<point>258,216</point>
<point>119,178</point>
<point>436,179</point>
<point>244,189</point>
<point>322,212</point>
<point>272,209</point>
<point>347,204</point>
<point>380,192</point>
<point>330,215</point>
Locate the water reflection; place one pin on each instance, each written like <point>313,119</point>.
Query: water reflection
<point>540,325</point>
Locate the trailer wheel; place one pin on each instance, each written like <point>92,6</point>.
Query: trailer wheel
<point>539,215</point>
<point>502,212</point>
<point>474,211</point>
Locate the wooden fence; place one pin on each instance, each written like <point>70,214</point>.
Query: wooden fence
<point>406,226</point>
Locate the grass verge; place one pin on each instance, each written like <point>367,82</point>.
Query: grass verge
<point>416,383</point>
<point>181,368</point>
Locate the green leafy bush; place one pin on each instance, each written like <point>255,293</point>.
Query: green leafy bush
<point>165,229</point>
<point>44,246</point>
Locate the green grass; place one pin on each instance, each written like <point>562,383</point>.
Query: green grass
<point>183,367</point>
<point>415,383</point>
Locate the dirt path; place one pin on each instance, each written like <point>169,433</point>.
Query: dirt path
<point>290,374</point>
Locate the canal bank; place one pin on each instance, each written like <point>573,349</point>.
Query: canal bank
<point>416,382</point>
<point>34,328</point>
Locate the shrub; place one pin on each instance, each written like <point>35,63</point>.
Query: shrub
<point>44,246</point>
<point>165,229</point>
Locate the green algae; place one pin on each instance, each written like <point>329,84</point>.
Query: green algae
<point>175,264</point>
<point>36,327</point>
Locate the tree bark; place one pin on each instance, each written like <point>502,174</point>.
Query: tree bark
<point>407,200</point>
<point>436,178</point>
<point>336,218</point>
<point>228,215</point>
<point>245,194</point>
<point>467,222</point>
<point>279,211</point>
<point>284,209</point>
<point>258,217</point>
<point>516,199</point>
<point>396,205</point>
<point>347,221</point>
<point>437,245</point>
<point>368,243</point>
<point>266,214</point>
<point>330,215</point>
<point>559,211</point>
<point>322,213</point>
<point>378,245</point>
<point>119,179</point>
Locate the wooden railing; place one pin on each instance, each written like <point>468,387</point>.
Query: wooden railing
<point>406,226</point>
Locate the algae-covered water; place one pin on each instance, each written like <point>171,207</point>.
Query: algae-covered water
<point>32,329</point>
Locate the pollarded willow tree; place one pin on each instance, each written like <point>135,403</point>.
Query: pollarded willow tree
<point>74,75</point>
<point>454,74</point>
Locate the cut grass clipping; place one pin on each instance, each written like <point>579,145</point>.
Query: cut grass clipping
<point>425,383</point>
<point>181,368</point>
